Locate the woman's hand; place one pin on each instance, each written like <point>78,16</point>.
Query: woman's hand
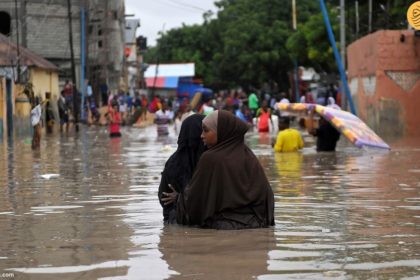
<point>169,197</point>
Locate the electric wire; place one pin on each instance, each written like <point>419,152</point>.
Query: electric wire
<point>175,5</point>
<point>187,5</point>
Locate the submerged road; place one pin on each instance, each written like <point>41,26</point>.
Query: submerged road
<point>85,207</point>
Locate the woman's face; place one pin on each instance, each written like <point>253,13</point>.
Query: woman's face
<point>209,136</point>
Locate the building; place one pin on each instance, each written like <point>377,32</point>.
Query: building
<point>106,41</point>
<point>384,80</point>
<point>38,73</point>
<point>130,51</point>
<point>44,29</point>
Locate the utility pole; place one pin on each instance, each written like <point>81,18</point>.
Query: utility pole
<point>295,62</point>
<point>337,55</point>
<point>357,17</point>
<point>343,32</point>
<point>83,60</point>
<point>370,17</point>
<point>17,44</point>
<point>73,69</point>
<point>87,37</point>
<point>294,15</point>
<point>343,42</point>
<point>105,46</point>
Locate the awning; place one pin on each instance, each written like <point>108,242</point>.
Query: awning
<point>162,82</point>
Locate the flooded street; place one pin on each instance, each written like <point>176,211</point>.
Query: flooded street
<point>86,207</point>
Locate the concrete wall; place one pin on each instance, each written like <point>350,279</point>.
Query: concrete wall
<point>384,77</point>
<point>44,29</point>
<point>48,29</point>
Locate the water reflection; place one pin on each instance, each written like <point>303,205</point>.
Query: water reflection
<point>345,219</point>
<point>211,254</point>
<point>352,214</point>
<point>288,167</point>
<point>52,224</point>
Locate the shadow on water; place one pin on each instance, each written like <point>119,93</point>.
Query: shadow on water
<point>352,214</point>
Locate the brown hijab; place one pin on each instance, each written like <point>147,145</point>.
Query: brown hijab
<point>229,184</point>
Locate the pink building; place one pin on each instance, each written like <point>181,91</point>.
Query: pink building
<point>384,79</point>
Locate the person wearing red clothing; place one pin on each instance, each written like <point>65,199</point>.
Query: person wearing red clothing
<point>264,118</point>
<point>144,104</point>
<point>114,120</point>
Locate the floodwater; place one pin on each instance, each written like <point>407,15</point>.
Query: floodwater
<point>85,207</point>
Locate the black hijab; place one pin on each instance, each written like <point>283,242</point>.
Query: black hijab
<point>181,164</point>
<point>229,182</point>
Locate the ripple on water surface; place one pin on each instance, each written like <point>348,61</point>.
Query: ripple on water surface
<point>346,215</point>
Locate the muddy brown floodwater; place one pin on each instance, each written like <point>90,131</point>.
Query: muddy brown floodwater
<point>85,207</point>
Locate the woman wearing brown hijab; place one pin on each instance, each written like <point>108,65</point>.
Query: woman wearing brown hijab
<point>229,189</point>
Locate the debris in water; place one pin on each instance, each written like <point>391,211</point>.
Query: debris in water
<point>334,273</point>
<point>50,176</point>
<point>167,148</point>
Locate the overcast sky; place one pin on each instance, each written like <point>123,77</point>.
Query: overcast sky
<point>155,15</point>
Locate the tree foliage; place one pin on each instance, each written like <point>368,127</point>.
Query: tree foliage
<point>250,43</point>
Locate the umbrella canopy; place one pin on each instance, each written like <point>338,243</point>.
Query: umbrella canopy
<point>353,128</point>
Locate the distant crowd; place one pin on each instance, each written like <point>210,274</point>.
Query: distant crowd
<point>257,109</point>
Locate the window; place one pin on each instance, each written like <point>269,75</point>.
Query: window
<point>5,21</point>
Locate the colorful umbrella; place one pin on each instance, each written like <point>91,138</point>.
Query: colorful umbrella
<point>346,123</point>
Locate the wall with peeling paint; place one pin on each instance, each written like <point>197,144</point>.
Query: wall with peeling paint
<point>384,78</point>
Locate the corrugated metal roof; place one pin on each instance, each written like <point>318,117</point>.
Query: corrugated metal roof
<point>171,70</point>
<point>8,55</point>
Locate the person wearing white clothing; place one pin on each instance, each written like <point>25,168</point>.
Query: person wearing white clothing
<point>284,100</point>
<point>207,108</point>
<point>162,119</point>
<point>331,103</point>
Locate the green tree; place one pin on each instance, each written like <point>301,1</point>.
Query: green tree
<point>251,43</point>
<point>310,44</point>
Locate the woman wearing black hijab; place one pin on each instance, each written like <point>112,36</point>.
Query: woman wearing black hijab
<point>229,189</point>
<point>180,166</point>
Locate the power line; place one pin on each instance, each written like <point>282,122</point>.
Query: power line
<point>188,5</point>
<point>177,6</point>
